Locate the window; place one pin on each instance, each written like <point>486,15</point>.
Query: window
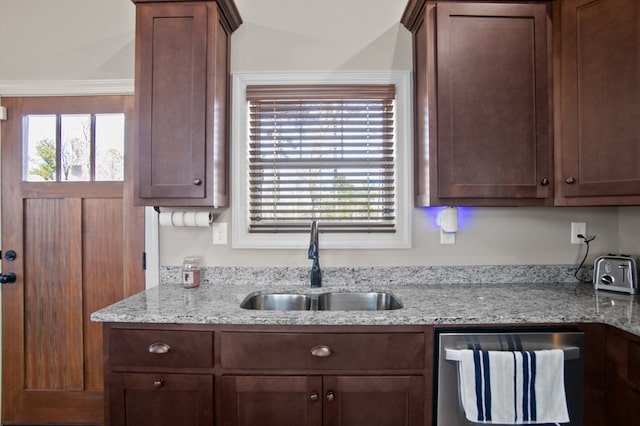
<point>74,147</point>
<point>327,151</point>
<point>321,153</point>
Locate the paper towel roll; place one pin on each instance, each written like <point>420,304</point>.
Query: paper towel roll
<point>185,219</point>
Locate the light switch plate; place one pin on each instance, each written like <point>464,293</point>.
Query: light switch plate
<point>219,233</point>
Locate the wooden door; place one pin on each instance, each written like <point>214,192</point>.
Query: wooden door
<point>373,400</point>
<point>493,93</point>
<point>271,400</point>
<point>161,400</point>
<point>599,138</point>
<point>78,248</point>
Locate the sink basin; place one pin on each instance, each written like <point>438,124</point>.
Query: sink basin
<point>365,301</point>
<point>277,302</point>
<point>334,301</point>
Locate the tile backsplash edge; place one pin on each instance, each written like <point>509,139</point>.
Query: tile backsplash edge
<point>397,275</point>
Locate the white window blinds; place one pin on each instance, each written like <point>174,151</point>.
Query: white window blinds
<point>322,152</point>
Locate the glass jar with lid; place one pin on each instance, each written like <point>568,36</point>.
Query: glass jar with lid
<point>191,272</point>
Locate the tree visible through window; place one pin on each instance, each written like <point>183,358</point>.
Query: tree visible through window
<point>322,152</point>
<point>74,147</point>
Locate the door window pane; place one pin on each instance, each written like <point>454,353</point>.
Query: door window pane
<point>74,147</point>
<point>40,148</point>
<point>109,147</point>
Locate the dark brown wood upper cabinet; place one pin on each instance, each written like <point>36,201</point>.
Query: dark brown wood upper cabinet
<point>182,101</point>
<point>483,117</point>
<point>598,110</point>
<point>483,131</point>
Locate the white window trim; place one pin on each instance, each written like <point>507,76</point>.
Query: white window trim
<point>401,239</point>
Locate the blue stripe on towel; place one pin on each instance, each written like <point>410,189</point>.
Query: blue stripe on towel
<point>525,386</point>
<point>487,385</point>
<point>515,389</point>
<point>532,392</point>
<point>478,374</point>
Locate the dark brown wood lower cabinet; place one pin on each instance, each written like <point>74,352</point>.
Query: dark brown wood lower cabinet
<point>142,399</point>
<point>210,375</point>
<point>318,400</point>
<point>622,378</point>
<point>374,401</point>
<point>271,400</point>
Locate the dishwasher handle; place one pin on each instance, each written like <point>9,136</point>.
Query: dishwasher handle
<point>571,352</point>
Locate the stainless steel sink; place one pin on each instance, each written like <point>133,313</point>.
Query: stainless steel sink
<point>277,302</point>
<point>333,301</point>
<point>365,301</point>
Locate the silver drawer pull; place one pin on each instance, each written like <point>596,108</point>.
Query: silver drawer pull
<point>321,351</point>
<point>159,348</point>
<point>158,383</point>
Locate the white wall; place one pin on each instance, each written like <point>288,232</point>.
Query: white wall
<point>94,39</point>
<point>629,230</point>
<point>66,39</point>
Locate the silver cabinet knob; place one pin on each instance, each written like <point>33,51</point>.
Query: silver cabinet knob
<point>570,180</point>
<point>330,396</point>
<point>314,396</point>
<point>158,383</point>
<point>197,181</point>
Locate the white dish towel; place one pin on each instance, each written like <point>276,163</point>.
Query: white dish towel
<point>513,387</point>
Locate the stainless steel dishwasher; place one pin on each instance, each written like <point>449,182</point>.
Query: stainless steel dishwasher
<point>448,410</point>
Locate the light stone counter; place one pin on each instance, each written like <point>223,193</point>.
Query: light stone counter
<point>428,296</point>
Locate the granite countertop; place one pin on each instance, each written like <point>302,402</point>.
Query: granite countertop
<point>443,303</point>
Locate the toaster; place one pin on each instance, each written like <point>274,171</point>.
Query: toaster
<point>616,273</point>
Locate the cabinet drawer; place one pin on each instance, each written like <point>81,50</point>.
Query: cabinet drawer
<point>156,348</point>
<point>331,351</point>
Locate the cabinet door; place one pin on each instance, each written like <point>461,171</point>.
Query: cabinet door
<point>600,87</point>
<point>493,115</point>
<point>182,69</point>
<point>373,400</point>
<point>271,400</point>
<point>160,399</point>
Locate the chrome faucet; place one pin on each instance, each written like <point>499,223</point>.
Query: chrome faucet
<point>315,275</point>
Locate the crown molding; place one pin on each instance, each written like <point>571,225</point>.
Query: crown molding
<point>66,87</point>
<point>228,10</point>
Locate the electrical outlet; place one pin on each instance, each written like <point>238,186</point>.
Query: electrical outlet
<point>219,233</point>
<point>447,237</point>
<point>578,228</point>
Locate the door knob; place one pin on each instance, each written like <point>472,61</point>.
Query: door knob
<point>7,278</point>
